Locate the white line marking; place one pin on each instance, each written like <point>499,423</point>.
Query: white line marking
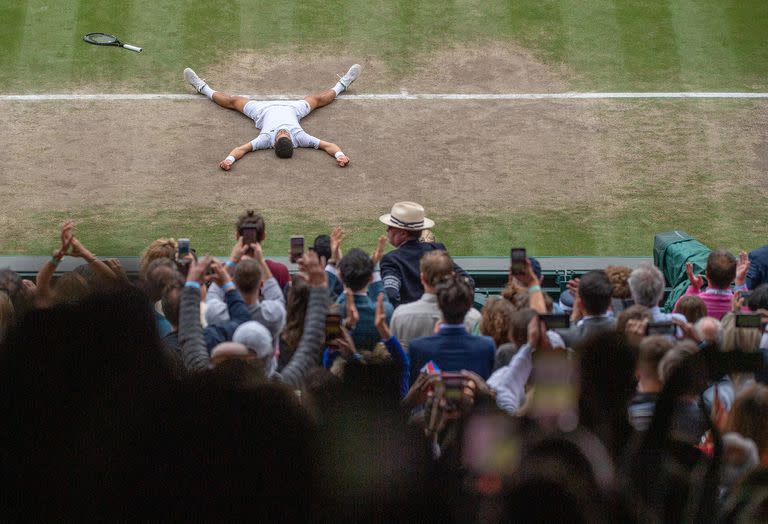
<point>403,95</point>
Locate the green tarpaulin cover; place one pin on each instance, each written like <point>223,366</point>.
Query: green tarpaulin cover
<point>671,251</point>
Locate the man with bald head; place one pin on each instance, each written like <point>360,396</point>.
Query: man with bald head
<point>400,267</point>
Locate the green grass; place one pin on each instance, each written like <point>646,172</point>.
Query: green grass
<point>578,230</point>
<point>639,45</point>
<point>608,45</point>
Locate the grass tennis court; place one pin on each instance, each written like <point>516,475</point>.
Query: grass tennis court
<point>560,177</point>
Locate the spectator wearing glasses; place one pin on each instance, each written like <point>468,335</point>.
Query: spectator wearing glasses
<point>400,269</point>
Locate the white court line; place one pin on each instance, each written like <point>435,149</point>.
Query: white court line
<point>403,95</point>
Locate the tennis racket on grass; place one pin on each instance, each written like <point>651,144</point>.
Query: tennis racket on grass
<point>107,39</point>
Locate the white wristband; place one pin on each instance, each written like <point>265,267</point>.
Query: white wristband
<point>231,159</point>
<point>339,153</point>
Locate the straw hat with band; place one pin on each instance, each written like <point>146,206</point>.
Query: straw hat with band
<point>408,216</point>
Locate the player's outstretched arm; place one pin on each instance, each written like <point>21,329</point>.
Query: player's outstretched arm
<point>335,151</point>
<point>235,155</point>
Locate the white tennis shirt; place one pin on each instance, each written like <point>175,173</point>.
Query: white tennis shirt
<point>272,116</point>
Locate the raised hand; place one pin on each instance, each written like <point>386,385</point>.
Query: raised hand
<point>527,278</point>
<point>353,316</point>
<point>313,272</point>
<point>380,318</point>
<point>737,302</point>
<point>537,335</point>
<point>697,281</point>
<point>343,344</point>
<point>66,239</point>
<point>378,252</point>
<point>687,329</point>
<point>337,237</point>
<point>197,269</point>
<point>742,267</point>
<point>220,274</point>
<point>238,251</point>
<point>80,251</point>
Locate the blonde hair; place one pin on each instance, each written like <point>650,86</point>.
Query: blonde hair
<point>496,321</point>
<point>745,339</point>
<point>160,248</point>
<point>749,415</point>
<point>435,266</point>
<point>619,277</point>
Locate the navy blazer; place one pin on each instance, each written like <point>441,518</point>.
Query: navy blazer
<point>400,271</point>
<point>758,267</point>
<point>453,349</point>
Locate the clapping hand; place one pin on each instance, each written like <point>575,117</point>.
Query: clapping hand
<point>337,237</point>
<point>66,239</point>
<point>697,281</point>
<point>378,252</point>
<point>380,319</point>
<point>353,316</point>
<point>311,270</point>
<point>742,267</point>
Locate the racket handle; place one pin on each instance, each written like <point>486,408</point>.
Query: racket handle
<point>132,48</point>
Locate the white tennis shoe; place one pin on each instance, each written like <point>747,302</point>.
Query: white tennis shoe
<point>351,76</point>
<point>194,80</point>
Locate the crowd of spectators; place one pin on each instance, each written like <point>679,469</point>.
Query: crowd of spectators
<point>367,387</point>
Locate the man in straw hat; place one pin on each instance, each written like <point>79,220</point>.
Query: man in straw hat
<point>400,267</point>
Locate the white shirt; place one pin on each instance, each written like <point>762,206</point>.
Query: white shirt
<point>509,381</point>
<point>272,116</point>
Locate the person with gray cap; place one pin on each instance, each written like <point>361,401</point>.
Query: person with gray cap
<point>252,341</point>
<point>400,267</point>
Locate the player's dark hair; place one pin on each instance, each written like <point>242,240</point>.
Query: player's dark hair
<point>284,147</point>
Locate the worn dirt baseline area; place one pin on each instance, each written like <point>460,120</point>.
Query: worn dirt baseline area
<point>460,155</point>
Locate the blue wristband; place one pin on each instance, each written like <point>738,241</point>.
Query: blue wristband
<point>231,263</point>
<point>227,286</point>
<point>192,283</point>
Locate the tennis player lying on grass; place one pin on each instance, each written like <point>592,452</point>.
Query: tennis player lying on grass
<point>278,120</point>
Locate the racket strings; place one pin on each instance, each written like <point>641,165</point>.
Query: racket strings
<point>101,38</point>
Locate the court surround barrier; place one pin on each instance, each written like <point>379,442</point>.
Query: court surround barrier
<point>671,250</point>
<point>490,273</point>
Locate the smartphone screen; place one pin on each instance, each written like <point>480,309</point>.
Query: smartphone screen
<point>556,321</point>
<point>661,328</point>
<point>183,247</point>
<point>249,237</point>
<point>332,326</point>
<point>517,258</point>
<point>297,248</point>
<point>555,398</point>
<point>749,320</point>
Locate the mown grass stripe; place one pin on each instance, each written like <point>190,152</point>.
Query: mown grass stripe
<point>403,95</point>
